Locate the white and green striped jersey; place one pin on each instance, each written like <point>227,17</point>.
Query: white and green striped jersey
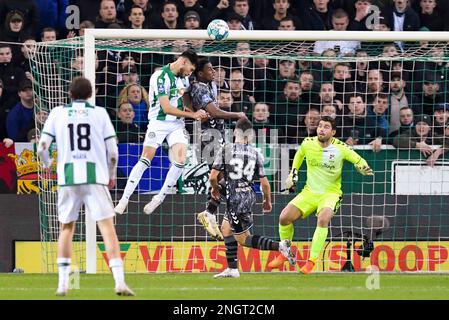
<point>80,131</point>
<point>164,83</point>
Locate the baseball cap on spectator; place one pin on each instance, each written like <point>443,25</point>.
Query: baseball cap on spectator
<point>423,118</point>
<point>25,84</point>
<point>430,77</point>
<point>286,60</point>
<point>192,15</point>
<point>234,16</point>
<point>441,106</point>
<point>15,16</point>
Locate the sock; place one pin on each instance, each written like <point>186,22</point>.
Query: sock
<point>286,232</point>
<point>261,243</point>
<point>212,204</point>
<point>319,237</point>
<point>231,251</point>
<point>116,266</point>
<point>134,177</point>
<point>64,272</point>
<point>172,177</point>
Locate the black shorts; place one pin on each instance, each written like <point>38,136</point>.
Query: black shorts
<point>240,222</point>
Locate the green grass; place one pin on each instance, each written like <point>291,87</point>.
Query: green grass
<point>247,287</point>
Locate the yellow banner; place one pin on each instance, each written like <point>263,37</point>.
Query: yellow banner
<point>151,257</point>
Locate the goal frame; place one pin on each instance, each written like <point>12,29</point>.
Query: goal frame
<point>91,35</point>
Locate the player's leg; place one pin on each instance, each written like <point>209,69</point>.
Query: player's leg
<point>329,204</point>
<point>231,245</point>
<point>208,217</point>
<point>69,205</point>
<point>135,176</point>
<point>178,141</point>
<point>300,207</point>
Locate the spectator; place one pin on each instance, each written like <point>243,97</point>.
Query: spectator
<point>405,122</point>
<point>281,8</point>
<point>192,20</point>
<point>287,23</point>
<point>127,130</point>
<point>261,115</point>
<point>358,128</point>
<point>29,10</point>
<point>241,7</point>
<point>359,22</point>
<point>128,76</point>
<point>107,14</point>
<point>11,76</point>
<point>48,34</point>
<point>340,22</point>
<point>86,24</point>
<point>150,9</point>
<point>220,78</point>
<point>440,118</point>
<point>342,82</point>
<point>423,103</point>
<point>286,71</point>
<point>265,85</point>
<point>13,31</point>
<point>254,77</point>
<point>136,18</point>
<point>21,115</point>
<point>418,137</point>
<point>329,110</point>
<point>311,120</point>
<point>429,17</point>
<point>169,15</point>
<point>382,25</point>
<point>318,16</point>
<point>194,5</point>
<point>225,99</point>
<point>308,93</point>
<point>403,18</point>
<point>444,142</point>
<point>53,14</point>
<point>375,84</point>
<point>380,111</point>
<point>242,102</point>
<point>137,96</point>
<point>234,21</point>
<point>219,11</point>
<point>398,100</point>
<point>324,71</point>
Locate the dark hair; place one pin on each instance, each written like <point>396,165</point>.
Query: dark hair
<point>200,64</point>
<point>382,95</point>
<point>48,29</point>
<point>191,56</point>
<point>243,124</point>
<point>80,88</point>
<point>330,120</point>
<point>135,6</point>
<point>339,13</point>
<point>167,2</point>
<point>224,90</point>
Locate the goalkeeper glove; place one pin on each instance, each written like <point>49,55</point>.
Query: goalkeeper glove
<point>364,170</point>
<point>291,180</point>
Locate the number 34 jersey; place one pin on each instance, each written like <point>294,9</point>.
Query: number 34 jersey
<point>241,164</point>
<point>80,131</point>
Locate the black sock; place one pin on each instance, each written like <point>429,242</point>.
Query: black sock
<point>261,243</point>
<point>231,251</point>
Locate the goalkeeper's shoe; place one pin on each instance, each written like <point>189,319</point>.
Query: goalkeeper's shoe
<point>308,267</point>
<point>285,247</point>
<point>121,206</point>
<point>276,263</point>
<point>209,222</point>
<point>228,273</point>
<point>124,291</point>
<point>152,205</point>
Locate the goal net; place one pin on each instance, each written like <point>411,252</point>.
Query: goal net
<point>387,92</point>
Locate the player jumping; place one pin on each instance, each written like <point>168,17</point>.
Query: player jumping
<point>322,193</point>
<point>241,164</point>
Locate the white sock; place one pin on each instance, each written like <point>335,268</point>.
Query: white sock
<point>116,266</point>
<point>134,177</point>
<point>173,175</point>
<point>64,272</point>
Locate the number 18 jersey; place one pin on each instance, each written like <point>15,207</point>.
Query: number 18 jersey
<point>80,131</point>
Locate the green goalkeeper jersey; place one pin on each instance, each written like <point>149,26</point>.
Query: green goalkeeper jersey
<point>324,165</point>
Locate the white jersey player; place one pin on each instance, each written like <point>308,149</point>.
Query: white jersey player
<point>168,98</point>
<point>86,167</point>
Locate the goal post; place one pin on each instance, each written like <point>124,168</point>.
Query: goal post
<point>405,222</point>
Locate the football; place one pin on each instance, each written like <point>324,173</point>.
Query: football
<point>218,30</point>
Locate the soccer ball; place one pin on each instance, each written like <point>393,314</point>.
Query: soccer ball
<point>218,30</point>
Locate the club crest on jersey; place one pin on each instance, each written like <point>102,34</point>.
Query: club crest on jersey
<point>151,135</point>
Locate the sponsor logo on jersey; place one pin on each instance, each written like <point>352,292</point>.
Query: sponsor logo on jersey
<point>151,135</point>
<point>78,113</point>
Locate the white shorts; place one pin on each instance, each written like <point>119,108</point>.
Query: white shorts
<point>173,131</point>
<point>95,197</point>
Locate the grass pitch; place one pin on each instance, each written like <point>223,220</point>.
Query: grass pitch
<point>247,287</point>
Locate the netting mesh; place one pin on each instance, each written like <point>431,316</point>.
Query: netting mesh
<point>283,87</point>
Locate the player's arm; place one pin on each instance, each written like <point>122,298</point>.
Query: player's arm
<point>216,112</point>
<point>359,163</point>
<point>187,101</point>
<point>169,109</point>
<point>292,178</point>
<point>43,149</point>
<point>266,190</point>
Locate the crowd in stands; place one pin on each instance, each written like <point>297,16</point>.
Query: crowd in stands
<point>399,102</point>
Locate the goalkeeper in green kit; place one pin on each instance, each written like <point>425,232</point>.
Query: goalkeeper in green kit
<point>325,156</point>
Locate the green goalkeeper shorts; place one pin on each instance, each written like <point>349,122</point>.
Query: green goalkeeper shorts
<point>308,202</point>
